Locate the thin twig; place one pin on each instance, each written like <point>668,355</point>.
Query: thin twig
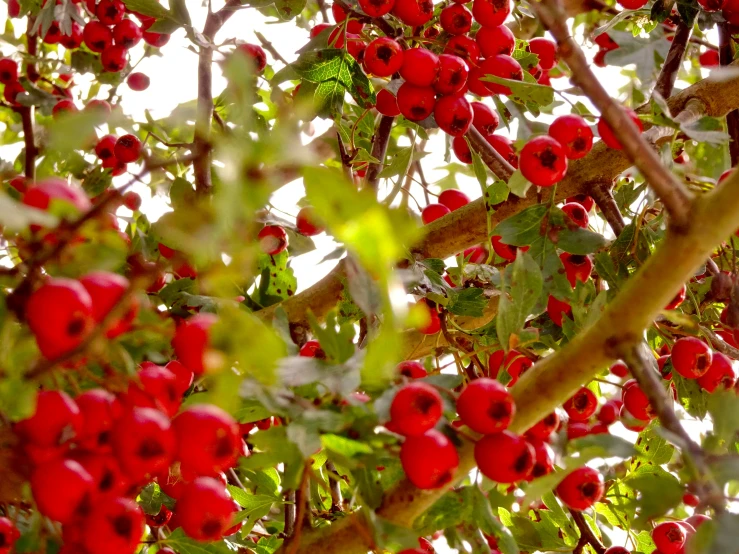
<point>586,534</point>
<point>334,486</point>
<point>666,79</point>
<point>603,197</point>
<point>379,150</point>
<point>720,345</point>
<point>489,155</point>
<point>643,369</point>
<point>673,194</point>
<point>726,56</point>
<point>301,502</point>
<point>269,47</point>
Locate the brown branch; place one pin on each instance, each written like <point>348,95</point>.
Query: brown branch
<point>586,533</point>
<point>379,150</point>
<point>289,513</point>
<point>32,49</point>
<point>269,47</point>
<point>603,197</point>
<point>31,151</point>
<point>643,368</point>
<point>301,502</point>
<point>201,141</point>
<point>673,194</point>
<point>726,57</point>
<point>720,345</point>
<point>666,79</point>
<point>334,486</point>
<point>323,10</point>
<point>489,155</point>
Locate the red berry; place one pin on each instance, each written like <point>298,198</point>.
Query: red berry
<point>543,162</point>
<point>630,422</point>
<point>581,489</point>
<point>307,223</point>
<point>8,71</point>
<point>376,8</point>
<point>312,349</point>
<point>115,526</point>
<point>691,500</point>
<point>353,26</point>
<point>454,199</point>
<point>155,39</point>
<point>128,148</point>
<point>452,75</point>
<point>546,50</point>
<point>501,66</point>
<point>60,315</point>
<point>11,92</point>
<point>113,59</point>
<point>132,200</point>
<point>486,406</point>
<point>387,103</point>
<point>416,103</point>
<point>617,550</point>
<point>105,472</point>
<point>709,58</point>
<point>414,12</point>
<point>577,267</point>
<point>9,534</point>
<point>205,510</point>
<point>19,183</point>
<point>272,239</point>
<point>45,193</point>
<point>462,150</point>
<point>720,373</point>
<point>105,148</point>
<point>55,421</point>
<point>255,54</point>
<point>486,120</point>
<point>544,428</point>
<point>543,459</point>
<point>581,405</point>
<point>62,489</point>
<point>319,28</point>
<point>636,401</point>
<point>456,19</point>
<point>669,537</point>
<point>712,5</point>
<point>619,369</point>
<point>99,411</point>
<point>463,47</point>
<point>505,251</point>
<point>191,341</point>
<point>208,439</point>
<point>183,376</point>
<point>607,134</point>
<point>574,134</point>
<point>577,214</point>
<point>577,429</point>
<point>608,413</point>
<point>434,325</point>
<point>411,369</point>
<point>420,67</point>
<point>127,34</point>
<point>585,201</point>
<point>453,114</point>
<point>383,57</point>
<point>416,408</point>
<point>491,13</point>
<point>475,255</point>
<point>514,363</point>
<point>605,42</point>
<point>99,105</point>
<point>678,299</point>
<point>557,310</point>
<point>154,387</point>
<point>429,460</point>
<point>110,12</point>
<point>138,81</point>
<point>432,212</point>
<point>496,40</point>
<point>143,442</point>
<point>106,289</point>
<point>696,520</point>
<point>504,147</point>
<point>14,8</point>
<point>504,457</point>
<point>691,357</point>
<point>97,36</point>
<point>633,5</point>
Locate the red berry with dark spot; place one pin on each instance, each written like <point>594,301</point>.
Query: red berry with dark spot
<point>669,537</point>
<point>486,120</point>
<point>154,387</point>
<point>691,357</point>
<point>574,134</point>
<point>432,212</point>
<point>581,489</point>
<point>55,421</point>
<point>11,92</point>
<point>577,214</point>
<point>208,439</point>
<point>60,315</point>
<point>191,341</point>
<point>454,199</point>
<point>376,8</point>
<point>105,471</point>
<point>636,401</point>
<point>115,526</point>
<point>720,374</point>
<point>429,460</point>
<point>383,57</point>
<point>486,406</point>
<point>105,148</point>
<point>416,408</point>
<point>607,134</point>
<point>312,349</point>
<point>414,12</point>
<point>543,459</point>
<point>143,443</point>
<point>255,54</point>
<point>205,510</point>
<point>456,19</point>
<point>412,369</point>
<point>581,405</point>
<point>387,103</point>
<point>504,147</point>
<point>544,428</point>
<point>99,410</point>
<point>546,50</point>
<point>453,73</point>
<point>155,39</point>
<point>127,149</point>
<point>496,40</point>
<point>464,47</point>
<point>577,267</point>
<point>110,12</point>
<point>416,103</point>
<point>453,114</point>
<point>8,71</point>
<point>127,34</point>
<point>113,59</point>
<point>272,239</point>
<point>543,161</point>
<point>138,81</point>
<point>584,200</point>
<point>491,13</point>
<point>62,490</point>
<point>420,67</point>
<point>106,289</point>
<point>504,457</point>
<point>97,36</point>
<point>74,38</point>
<point>501,66</point>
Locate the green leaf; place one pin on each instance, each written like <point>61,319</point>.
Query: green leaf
<point>706,129</point>
<point>469,302</point>
<point>518,184</point>
<point>652,448</point>
<point>16,216</point>
<point>601,446</point>
<point>690,394</point>
<point>724,409</point>
<point>658,491</point>
<point>179,12</point>
<point>290,9</point>
<point>525,92</point>
<point>348,448</point>
<point>497,193</point>
<point>182,544</point>
<point>277,280</point>
<point>523,228</point>
<point>490,525</point>
<point>524,284</point>
<point>481,170</point>
<point>252,502</point>
<point>152,8</point>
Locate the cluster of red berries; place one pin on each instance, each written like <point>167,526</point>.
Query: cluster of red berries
<point>273,239</point>
<point>91,456</point>
<point>115,153</point>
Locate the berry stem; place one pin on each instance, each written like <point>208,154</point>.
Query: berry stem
<point>601,193</point>
<point>666,79</point>
<point>379,150</point>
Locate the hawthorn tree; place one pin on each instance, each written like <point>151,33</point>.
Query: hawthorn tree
<point>165,386</point>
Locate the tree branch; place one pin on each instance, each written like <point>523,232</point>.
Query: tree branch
<point>201,142</point>
<point>643,368</point>
<point>673,194</point>
<point>666,79</point>
<point>726,57</point>
<point>586,533</point>
<point>489,155</point>
<point>379,150</point>
<point>603,197</point>
<point>719,344</point>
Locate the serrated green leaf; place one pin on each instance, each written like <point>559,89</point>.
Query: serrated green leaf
<point>182,544</point>
<point>152,8</point>
<point>523,286</point>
